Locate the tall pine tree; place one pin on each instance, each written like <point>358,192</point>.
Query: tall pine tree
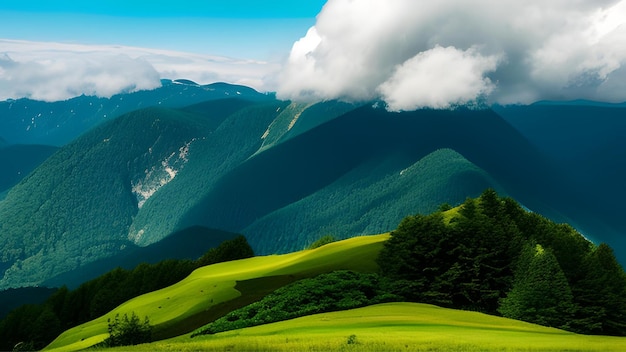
<point>540,293</point>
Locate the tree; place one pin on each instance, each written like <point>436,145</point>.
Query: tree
<point>540,293</point>
<point>128,331</point>
<point>323,241</point>
<point>601,294</point>
<point>237,248</point>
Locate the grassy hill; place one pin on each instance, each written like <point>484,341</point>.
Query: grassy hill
<point>392,327</point>
<point>212,291</point>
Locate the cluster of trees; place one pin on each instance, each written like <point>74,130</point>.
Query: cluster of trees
<point>339,290</point>
<point>492,256</point>
<point>35,326</point>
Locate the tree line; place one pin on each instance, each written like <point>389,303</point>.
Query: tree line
<point>36,325</point>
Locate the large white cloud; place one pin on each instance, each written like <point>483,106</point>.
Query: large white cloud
<point>416,53</point>
<point>58,71</point>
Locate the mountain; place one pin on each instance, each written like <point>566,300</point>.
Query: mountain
<point>189,243</point>
<point>97,177</point>
<point>586,141</point>
<point>26,121</point>
<point>357,152</point>
<point>18,161</point>
<point>282,173</point>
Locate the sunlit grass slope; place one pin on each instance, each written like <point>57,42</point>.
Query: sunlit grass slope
<point>210,287</point>
<point>393,327</point>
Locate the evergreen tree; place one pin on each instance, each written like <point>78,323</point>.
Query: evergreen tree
<point>540,293</point>
<point>601,295</point>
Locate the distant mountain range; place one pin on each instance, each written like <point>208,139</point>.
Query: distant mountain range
<point>282,173</point>
<point>26,121</point>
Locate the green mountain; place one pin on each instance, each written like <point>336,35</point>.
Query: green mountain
<point>102,179</point>
<point>584,140</point>
<point>26,121</point>
<point>18,161</point>
<point>281,173</point>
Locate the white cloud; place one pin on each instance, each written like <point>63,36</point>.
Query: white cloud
<point>57,71</point>
<point>439,78</point>
<point>506,51</point>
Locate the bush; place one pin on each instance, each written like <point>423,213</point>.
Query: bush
<point>324,240</point>
<point>128,331</point>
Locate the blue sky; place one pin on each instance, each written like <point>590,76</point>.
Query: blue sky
<point>246,29</point>
<point>409,53</point>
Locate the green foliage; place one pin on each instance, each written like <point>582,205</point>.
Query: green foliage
<point>370,198</point>
<point>352,340</point>
<point>540,293</point>
<point>237,248</point>
<point>339,290</point>
<point>476,260</point>
<point>324,240</point>
<point>128,331</point>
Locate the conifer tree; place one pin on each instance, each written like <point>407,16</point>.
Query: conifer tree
<point>540,293</point>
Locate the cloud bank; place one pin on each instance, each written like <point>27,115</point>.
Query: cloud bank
<point>55,71</point>
<point>417,53</point>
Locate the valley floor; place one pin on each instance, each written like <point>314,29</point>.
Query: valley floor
<point>393,327</point>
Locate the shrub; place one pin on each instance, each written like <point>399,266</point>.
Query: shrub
<point>128,331</point>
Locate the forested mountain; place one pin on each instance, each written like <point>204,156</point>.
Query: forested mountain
<point>18,161</point>
<point>282,173</point>
<point>26,121</point>
<point>586,141</point>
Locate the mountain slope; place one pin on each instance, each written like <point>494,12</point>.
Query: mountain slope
<point>99,178</point>
<point>371,198</point>
<point>26,121</point>
<point>586,141</point>
<point>361,140</point>
<point>209,288</point>
<point>393,327</point>
<point>281,173</point>
<point>19,160</point>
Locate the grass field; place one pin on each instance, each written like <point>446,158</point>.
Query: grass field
<point>212,290</point>
<point>393,327</point>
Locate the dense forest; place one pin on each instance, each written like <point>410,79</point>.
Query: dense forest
<point>36,325</point>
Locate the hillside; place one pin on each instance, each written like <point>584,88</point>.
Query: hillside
<point>358,150</point>
<point>392,327</point>
<point>372,198</point>
<point>18,161</point>
<point>213,290</point>
<point>276,171</point>
<point>26,121</point>
<point>189,243</point>
<point>477,259</point>
<point>585,140</point>
<point>101,178</point>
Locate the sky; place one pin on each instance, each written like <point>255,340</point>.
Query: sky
<point>408,53</point>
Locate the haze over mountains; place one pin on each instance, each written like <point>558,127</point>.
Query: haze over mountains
<point>282,173</point>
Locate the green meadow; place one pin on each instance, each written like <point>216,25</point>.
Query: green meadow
<point>212,291</point>
<point>215,289</point>
<point>392,327</point>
